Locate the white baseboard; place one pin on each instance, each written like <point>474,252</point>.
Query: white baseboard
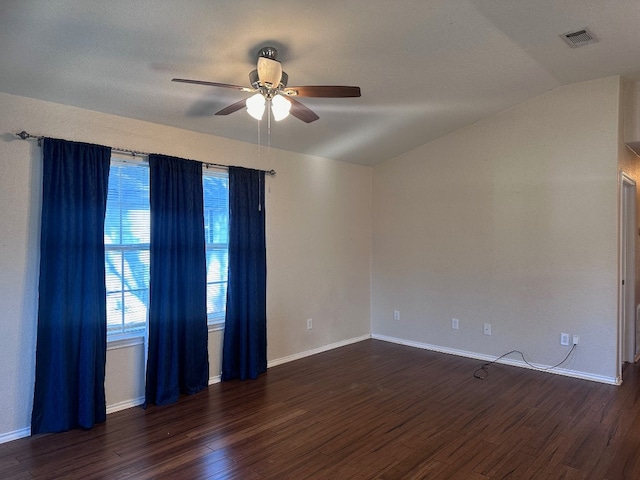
<point>324,348</point>
<point>506,361</point>
<point>15,435</point>
<point>307,353</point>
<point>25,432</point>
<point>116,407</point>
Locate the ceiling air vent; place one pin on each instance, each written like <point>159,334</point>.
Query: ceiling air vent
<point>579,38</point>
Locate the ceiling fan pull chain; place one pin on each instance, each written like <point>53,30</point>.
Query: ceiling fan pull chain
<point>259,149</point>
<point>269,129</point>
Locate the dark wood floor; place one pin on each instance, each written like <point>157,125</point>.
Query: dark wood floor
<point>368,410</point>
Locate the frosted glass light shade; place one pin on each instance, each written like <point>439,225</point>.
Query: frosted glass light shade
<point>280,107</point>
<point>269,72</point>
<point>255,106</point>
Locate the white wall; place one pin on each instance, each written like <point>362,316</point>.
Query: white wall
<point>318,244</point>
<point>510,221</point>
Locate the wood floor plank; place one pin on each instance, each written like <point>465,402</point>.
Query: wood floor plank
<point>626,461</point>
<point>371,410</point>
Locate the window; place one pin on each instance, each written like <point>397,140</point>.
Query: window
<point>216,232</point>
<point>127,237</point>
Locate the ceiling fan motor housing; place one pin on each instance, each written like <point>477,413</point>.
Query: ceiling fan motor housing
<point>268,52</point>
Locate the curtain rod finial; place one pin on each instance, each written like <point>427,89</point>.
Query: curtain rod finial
<point>23,135</point>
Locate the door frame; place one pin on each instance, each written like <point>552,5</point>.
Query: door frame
<point>627,346</point>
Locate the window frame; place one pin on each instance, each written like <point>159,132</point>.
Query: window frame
<point>215,320</point>
<point>141,329</point>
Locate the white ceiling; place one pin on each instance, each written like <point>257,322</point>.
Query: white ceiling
<point>425,67</point>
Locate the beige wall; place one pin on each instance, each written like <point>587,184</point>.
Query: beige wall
<point>318,244</point>
<point>511,221</point>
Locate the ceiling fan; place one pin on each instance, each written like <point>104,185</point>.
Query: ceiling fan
<point>269,86</point>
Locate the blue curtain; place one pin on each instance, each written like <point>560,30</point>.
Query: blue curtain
<point>178,360</point>
<point>245,333</point>
<point>72,323</point>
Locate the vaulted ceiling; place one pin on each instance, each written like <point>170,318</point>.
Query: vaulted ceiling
<point>425,67</point>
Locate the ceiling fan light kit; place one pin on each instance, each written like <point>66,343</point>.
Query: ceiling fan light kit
<point>280,107</point>
<point>256,106</point>
<point>269,72</point>
<point>269,84</point>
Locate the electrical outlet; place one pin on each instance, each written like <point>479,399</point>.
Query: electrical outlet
<point>455,323</point>
<point>396,315</point>
<point>564,339</point>
<point>576,339</point>
<point>309,323</point>
<point>487,329</point>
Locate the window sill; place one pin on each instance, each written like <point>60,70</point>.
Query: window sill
<point>132,339</point>
<point>216,327</point>
<point>124,341</point>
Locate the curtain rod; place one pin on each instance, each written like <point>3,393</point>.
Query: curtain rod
<point>25,136</point>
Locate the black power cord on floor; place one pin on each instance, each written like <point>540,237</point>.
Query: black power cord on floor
<point>483,372</point>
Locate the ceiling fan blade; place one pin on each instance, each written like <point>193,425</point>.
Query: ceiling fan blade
<point>212,84</point>
<point>327,91</point>
<point>301,112</point>
<point>234,107</point>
